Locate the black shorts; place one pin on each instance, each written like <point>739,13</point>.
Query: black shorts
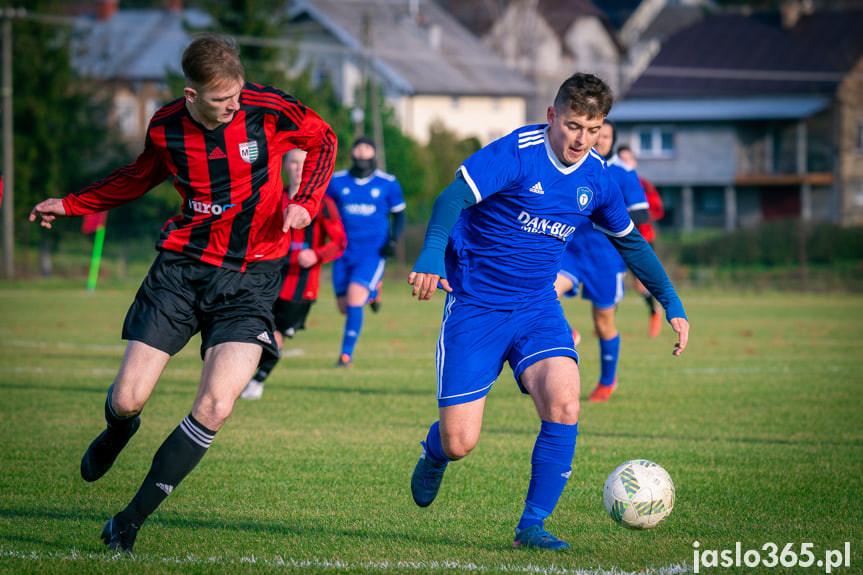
<point>181,296</point>
<point>291,315</point>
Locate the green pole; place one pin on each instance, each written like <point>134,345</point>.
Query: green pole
<point>94,261</point>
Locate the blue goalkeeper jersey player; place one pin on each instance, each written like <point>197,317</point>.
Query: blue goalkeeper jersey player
<point>495,243</point>
<point>592,262</point>
<point>372,208</point>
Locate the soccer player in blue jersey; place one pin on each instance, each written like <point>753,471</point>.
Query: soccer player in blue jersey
<point>372,207</point>
<point>592,261</point>
<point>494,243</point>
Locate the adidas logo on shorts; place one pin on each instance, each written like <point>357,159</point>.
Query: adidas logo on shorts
<point>264,337</point>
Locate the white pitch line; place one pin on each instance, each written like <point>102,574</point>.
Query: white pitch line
<point>93,371</point>
<point>279,561</point>
<point>754,370</point>
<point>62,345</point>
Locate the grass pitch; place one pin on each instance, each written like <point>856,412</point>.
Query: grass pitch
<point>759,423</point>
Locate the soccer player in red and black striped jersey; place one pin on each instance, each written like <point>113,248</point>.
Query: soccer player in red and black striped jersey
<point>321,241</point>
<point>217,271</point>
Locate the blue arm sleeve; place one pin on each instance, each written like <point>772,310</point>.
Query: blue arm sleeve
<point>447,207</point>
<point>641,259</point>
<point>639,216</point>
<point>397,224</point>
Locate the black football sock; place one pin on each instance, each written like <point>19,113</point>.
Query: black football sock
<point>265,367</point>
<point>177,456</point>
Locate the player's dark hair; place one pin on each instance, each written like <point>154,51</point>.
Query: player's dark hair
<point>585,94</point>
<point>210,59</point>
<point>624,148</point>
<point>608,122</point>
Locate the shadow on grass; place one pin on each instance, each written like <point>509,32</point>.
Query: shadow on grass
<point>491,429</point>
<point>304,528</point>
<point>359,390</point>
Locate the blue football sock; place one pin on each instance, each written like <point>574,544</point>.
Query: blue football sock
<point>609,351</point>
<point>433,444</point>
<point>353,327</point>
<point>551,465</point>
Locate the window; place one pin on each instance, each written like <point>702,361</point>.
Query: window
<point>126,114</point>
<point>654,142</point>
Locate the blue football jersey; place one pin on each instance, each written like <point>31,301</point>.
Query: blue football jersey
<point>506,249</point>
<point>590,252</point>
<point>365,204</point>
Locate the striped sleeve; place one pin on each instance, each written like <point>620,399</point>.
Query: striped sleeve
<point>120,187</point>
<point>334,231</point>
<point>300,127</point>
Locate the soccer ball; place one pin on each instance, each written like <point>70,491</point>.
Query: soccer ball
<point>638,494</point>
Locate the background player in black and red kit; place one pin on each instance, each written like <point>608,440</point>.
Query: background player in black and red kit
<point>322,241</point>
<point>217,271</point>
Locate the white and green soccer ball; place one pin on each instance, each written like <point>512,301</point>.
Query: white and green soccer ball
<point>639,494</point>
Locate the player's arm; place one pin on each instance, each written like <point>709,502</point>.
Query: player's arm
<point>397,228</point>
<point>122,186</point>
<point>318,140</point>
<point>334,230</point>
<point>639,216</point>
<point>635,198</point>
<point>429,267</point>
<point>642,260</point>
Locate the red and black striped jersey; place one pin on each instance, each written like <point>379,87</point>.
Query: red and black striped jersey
<point>326,236</point>
<point>229,178</point>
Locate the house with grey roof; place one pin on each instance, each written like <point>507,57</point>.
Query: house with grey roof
<point>750,116</point>
<point>545,41</point>
<point>130,52</point>
<point>548,40</point>
<point>430,68</point>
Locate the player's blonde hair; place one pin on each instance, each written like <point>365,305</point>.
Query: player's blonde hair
<point>211,59</point>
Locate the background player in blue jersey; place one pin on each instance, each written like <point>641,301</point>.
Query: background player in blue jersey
<point>372,207</point>
<point>495,242</point>
<point>656,210</point>
<point>592,262</point>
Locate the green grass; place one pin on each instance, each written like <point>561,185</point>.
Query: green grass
<point>760,424</point>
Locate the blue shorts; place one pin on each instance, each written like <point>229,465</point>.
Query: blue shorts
<point>475,341</point>
<point>599,271</point>
<point>360,264</point>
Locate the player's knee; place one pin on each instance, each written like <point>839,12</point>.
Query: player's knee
<point>213,412</point>
<point>566,412</point>
<point>126,402</point>
<point>457,447</point>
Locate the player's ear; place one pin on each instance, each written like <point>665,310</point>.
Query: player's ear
<point>549,114</point>
<point>190,93</point>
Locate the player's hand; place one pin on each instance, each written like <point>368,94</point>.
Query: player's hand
<point>681,326</point>
<point>426,284</point>
<point>48,210</point>
<point>389,248</point>
<point>297,217</point>
<point>307,258</point>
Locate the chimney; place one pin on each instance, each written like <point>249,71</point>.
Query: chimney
<point>435,33</point>
<point>790,11</point>
<point>105,9</point>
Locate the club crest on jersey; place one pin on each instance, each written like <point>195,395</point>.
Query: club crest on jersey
<point>375,192</point>
<point>249,151</point>
<point>584,197</point>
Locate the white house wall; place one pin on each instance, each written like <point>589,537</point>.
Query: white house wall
<point>704,155</point>
<point>481,117</point>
